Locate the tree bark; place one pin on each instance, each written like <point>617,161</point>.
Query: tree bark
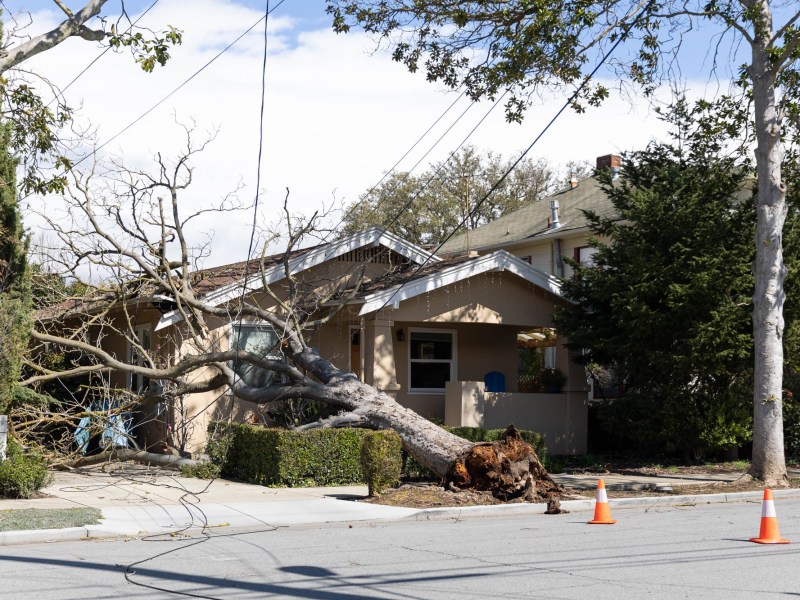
<point>140,456</point>
<point>74,25</point>
<point>509,468</point>
<point>768,462</point>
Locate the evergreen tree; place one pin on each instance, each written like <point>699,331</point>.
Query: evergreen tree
<point>667,304</point>
<point>15,292</point>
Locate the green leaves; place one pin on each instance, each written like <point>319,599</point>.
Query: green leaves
<point>147,51</point>
<point>667,303</point>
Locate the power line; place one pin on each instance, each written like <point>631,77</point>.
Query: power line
<point>508,171</point>
<point>99,56</point>
<point>258,177</point>
<point>179,87</point>
<point>441,166</point>
<point>387,173</point>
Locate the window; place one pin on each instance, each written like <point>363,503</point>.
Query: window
<point>432,359</point>
<point>137,355</point>
<point>584,255</point>
<point>259,339</point>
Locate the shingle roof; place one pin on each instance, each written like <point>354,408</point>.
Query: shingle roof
<point>533,220</point>
<point>203,281</point>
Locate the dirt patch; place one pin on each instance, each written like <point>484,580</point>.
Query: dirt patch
<point>421,495</point>
<point>428,495</point>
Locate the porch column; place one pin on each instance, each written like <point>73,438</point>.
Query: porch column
<point>379,355</point>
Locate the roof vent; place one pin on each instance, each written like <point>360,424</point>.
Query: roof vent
<point>554,222</point>
<point>573,181</point>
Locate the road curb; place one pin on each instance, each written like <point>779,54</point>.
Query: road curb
<point>464,512</point>
<point>45,536</point>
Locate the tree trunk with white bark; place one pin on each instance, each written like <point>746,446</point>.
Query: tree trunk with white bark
<point>768,462</point>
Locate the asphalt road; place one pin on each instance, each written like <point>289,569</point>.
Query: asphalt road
<point>669,552</point>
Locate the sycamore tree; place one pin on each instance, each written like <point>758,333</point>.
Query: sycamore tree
<point>523,46</point>
<point>666,305</point>
<point>447,193</point>
<point>31,129</point>
<point>37,122</point>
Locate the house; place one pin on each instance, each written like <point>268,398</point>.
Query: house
<point>543,233</point>
<point>444,334</point>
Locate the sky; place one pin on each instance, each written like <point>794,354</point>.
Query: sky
<point>339,113</point>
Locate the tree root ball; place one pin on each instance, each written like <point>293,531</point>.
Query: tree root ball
<point>508,468</point>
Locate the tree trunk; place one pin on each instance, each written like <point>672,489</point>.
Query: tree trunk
<point>509,468</point>
<point>768,462</point>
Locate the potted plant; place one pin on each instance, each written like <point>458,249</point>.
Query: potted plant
<point>552,380</point>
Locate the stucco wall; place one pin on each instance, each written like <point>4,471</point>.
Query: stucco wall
<point>560,418</point>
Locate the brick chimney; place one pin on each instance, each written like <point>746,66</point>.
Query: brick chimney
<point>610,161</point>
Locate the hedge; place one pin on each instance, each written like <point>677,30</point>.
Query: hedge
<point>280,457</point>
<point>381,460</point>
<point>320,457</point>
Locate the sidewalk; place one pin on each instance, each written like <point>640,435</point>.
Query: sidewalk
<point>137,501</point>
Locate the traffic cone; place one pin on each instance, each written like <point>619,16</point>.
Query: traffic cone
<point>769,533</point>
<point>602,513</point>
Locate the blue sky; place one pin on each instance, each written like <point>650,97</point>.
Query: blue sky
<point>338,115</point>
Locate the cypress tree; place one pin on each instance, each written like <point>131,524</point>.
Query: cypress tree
<point>15,291</point>
<point>667,305</point>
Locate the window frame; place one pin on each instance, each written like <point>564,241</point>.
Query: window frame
<point>134,378</point>
<point>453,360</point>
<point>577,255</point>
<point>253,325</point>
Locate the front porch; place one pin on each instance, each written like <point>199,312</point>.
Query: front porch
<point>561,418</point>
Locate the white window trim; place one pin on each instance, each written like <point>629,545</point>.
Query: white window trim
<point>453,361</point>
<point>137,332</point>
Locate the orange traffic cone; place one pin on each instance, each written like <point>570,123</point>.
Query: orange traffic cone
<point>602,513</point>
<point>769,522</point>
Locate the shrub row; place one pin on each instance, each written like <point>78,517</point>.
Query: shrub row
<point>22,473</point>
<point>280,457</point>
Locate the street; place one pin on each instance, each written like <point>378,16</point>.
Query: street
<point>655,552</point>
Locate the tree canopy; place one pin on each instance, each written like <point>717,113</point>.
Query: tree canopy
<point>36,122</point>
<point>666,305</point>
<point>426,208</point>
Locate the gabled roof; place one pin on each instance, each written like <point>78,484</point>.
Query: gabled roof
<point>272,269</point>
<point>532,221</point>
<point>392,290</point>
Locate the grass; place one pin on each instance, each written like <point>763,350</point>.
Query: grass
<point>48,518</point>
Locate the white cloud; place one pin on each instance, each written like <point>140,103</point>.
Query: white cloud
<point>337,115</point>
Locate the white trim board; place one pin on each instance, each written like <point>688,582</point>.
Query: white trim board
<point>496,261</point>
<point>375,236</point>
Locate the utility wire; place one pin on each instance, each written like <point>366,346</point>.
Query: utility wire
<point>408,173</point>
<point>179,87</point>
<point>441,166</point>
<point>497,184</point>
<point>258,179</point>
<point>99,56</point>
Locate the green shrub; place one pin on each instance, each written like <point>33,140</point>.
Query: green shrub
<point>281,457</point>
<point>381,460</point>
<point>22,473</point>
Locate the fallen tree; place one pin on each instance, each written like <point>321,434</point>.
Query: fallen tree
<point>131,224</point>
